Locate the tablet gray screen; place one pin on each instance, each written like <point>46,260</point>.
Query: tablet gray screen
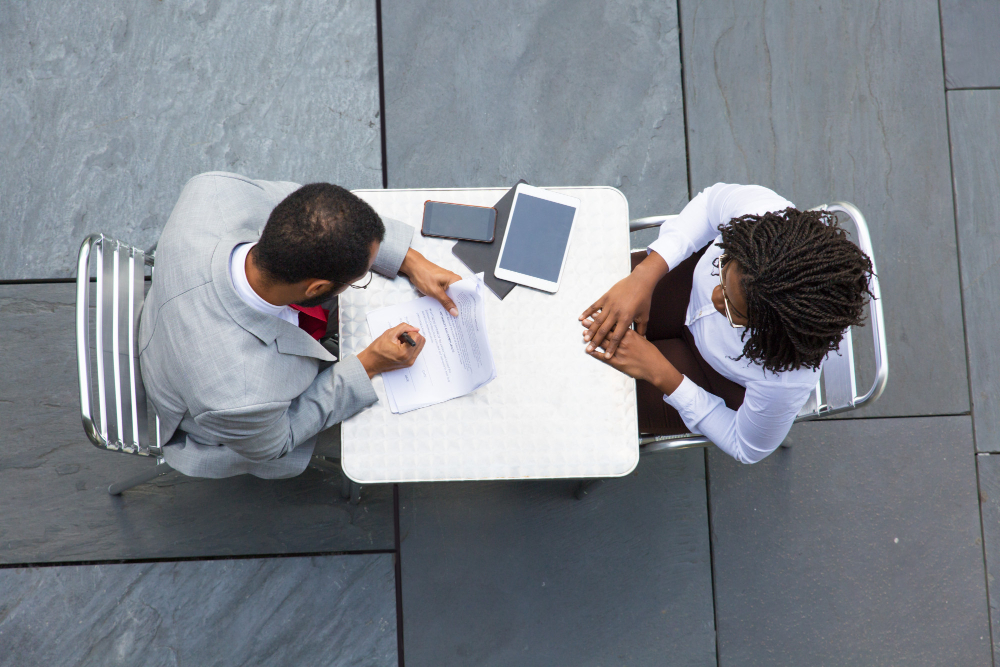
<point>537,234</point>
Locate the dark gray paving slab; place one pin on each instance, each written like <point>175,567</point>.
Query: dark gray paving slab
<point>843,101</point>
<point>520,573</point>
<point>971,47</point>
<point>989,499</point>
<point>860,545</point>
<point>338,610</point>
<point>559,92</point>
<point>53,482</point>
<point>108,109</point>
<point>974,119</point>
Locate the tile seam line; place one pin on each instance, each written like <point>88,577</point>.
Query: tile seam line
<point>381,92</point>
<point>711,562</point>
<point>398,567</point>
<point>41,281</point>
<point>965,330</point>
<point>684,111</point>
<point>687,168</point>
<point>193,559</point>
<point>396,553</point>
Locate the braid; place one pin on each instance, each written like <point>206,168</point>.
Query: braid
<point>804,281</point>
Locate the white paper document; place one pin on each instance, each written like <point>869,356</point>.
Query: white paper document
<point>455,361</point>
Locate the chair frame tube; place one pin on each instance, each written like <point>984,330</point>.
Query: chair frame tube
<point>83,339</point>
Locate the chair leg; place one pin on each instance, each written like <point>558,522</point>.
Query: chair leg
<point>162,468</point>
<point>322,464</point>
<point>349,490</point>
<point>586,486</point>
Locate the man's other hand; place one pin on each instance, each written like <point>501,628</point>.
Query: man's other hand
<point>430,279</point>
<point>390,351</point>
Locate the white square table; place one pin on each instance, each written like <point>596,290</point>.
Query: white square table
<point>552,411</point>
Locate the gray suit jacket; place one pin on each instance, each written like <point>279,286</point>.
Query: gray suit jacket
<point>238,391</point>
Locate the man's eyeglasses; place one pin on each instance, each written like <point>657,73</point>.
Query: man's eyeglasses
<point>723,261</point>
<point>354,285</point>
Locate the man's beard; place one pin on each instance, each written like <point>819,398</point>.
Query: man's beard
<point>316,300</point>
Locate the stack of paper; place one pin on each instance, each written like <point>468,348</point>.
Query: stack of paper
<point>455,361</point>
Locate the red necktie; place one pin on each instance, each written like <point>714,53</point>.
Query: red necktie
<point>313,320</point>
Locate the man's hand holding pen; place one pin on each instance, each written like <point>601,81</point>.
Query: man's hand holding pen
<point>396,348</point>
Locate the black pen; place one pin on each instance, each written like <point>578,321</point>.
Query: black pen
<point>405,336</point>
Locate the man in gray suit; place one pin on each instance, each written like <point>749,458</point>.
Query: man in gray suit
<point>237,382</point>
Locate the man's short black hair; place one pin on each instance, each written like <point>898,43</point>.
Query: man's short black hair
<point>319,231</point>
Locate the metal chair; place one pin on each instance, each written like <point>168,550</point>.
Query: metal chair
<point>113,401</point>
<point>836,391</point>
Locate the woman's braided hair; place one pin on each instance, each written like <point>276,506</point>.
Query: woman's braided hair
<point>805,282</point>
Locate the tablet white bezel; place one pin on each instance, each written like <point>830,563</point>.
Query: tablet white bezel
<point>523,278</point>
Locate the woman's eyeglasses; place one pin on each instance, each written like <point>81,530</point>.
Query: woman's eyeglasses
<point>723,261</point>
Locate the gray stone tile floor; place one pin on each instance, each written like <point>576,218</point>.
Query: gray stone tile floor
<point>971,47</point>
<point>844,101</point>
<point>136,98</point>
<point>859,545</point>
<point>692,559</point>
<point>989,501</point>
<point>522,573</point>
<point>53,482</point>
<point>334,610</point>
<point>555,92</point>
<point>975,155</point>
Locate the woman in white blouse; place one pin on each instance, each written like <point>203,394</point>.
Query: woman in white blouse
<point>736,305</point>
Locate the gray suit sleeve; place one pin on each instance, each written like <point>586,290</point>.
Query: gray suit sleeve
<point>393,249</point>
<point>268,431</point>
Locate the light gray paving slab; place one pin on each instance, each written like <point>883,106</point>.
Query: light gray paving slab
<point>974,119</point>
<point>989,499</point>
<point>971,47</point>
<point>338,610</point>
<point>837,101</point>
<point>520,573</point>
<point>107,109</point>
<point>53,482</point>
<point>860,545</point>
<point>559,92</point>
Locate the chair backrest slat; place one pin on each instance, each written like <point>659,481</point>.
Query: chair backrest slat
<point>125,289</point>
<point>814,401</point>
<point>109,341</point>
<point>137,298</point>
<point>839,377</point>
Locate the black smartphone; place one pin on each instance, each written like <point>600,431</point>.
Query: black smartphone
<point>458,221</point>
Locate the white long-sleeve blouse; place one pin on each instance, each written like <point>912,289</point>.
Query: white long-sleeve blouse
<point>772,399</point>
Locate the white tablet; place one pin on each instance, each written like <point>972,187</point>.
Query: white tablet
<point>535,242</point>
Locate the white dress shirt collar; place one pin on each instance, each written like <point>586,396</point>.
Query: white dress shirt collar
<point>238,274</point>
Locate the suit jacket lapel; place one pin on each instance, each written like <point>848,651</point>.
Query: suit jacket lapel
<point>289,338</point>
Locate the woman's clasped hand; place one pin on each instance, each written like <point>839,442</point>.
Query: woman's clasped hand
<point>627,302</point>
<point>608,327</point>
